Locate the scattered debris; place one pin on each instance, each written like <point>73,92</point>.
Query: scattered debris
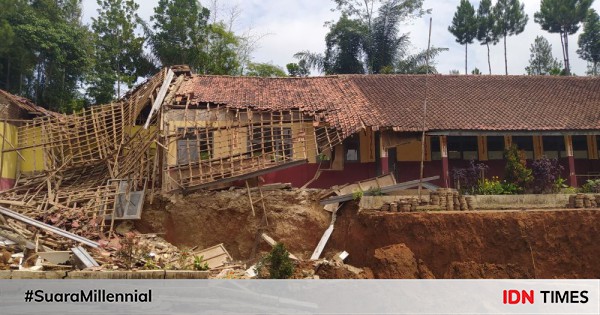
<point>272,242</point>
<point>83,258</point>
<point>215,256</point>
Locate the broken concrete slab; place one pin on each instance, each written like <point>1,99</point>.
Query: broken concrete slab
<point>55,257</point>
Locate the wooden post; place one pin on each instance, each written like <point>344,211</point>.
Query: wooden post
<point>569,149</point>
<point>444,153</point>
<point>592,147</point>
<point>482,148</point>
<point>507,142</point>
<point>538,147</point>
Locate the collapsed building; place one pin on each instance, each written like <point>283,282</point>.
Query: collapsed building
<point>179,132</point>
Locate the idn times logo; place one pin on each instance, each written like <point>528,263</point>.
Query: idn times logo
<point>546,297</point>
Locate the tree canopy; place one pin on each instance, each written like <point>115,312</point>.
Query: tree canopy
<point>589,41</point>
<point>367,39</point>
<point>511,20</point>
<point>563,17</point>
<point>541,61</point>
<point>464,25</point>
<point>487,29</point>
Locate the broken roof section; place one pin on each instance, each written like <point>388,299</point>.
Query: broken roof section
<point>13,107</point>
<point>463,102</point>
<point>330,99</point>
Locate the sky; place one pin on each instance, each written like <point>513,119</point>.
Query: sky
<point>289,26</point>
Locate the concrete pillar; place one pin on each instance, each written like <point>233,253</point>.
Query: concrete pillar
<point>569,149</point>
<point>444,153</point>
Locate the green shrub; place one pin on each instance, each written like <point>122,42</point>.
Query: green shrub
<point>591,186</point>
<point>516,171</point>
<point>200,264</point>
<point>357,195</point>
<point>496,187</point>
<point>278,262</point>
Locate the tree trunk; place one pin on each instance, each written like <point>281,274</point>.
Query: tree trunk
<point>505,59</point>
<point>562,46</point>
<point>7,87</point>
<point>595,70</point>
<point>466,71</point>
<point>489,64</point>
<point>567,65</point>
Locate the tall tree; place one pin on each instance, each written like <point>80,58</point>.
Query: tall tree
<point>541,61</point>
<point>179,32</point>
<point>221,51</point>
<point>45,50</point>
<point>563,17</point>
<point>464,25</point>
<point>343,47</point>
<point>417,63</point>
<point>119,56</point>
<point>511,20</point>
<point>264,70</point>
<point>380,20</point>
<point>589,41</point>
<point>299,69</point>
<point>16,59</point>
<point>486,27</point>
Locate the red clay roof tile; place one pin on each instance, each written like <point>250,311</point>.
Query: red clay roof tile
<point>491,103</point>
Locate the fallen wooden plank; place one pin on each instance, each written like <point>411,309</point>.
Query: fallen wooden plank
<point>215,256</point>
<point>317,253</point>
<point>272,242</point>
<point>387,189</point>
<point>162,93</point>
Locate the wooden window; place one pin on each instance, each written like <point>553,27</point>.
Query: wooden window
<point>463,148</point>
<point>554,147</point>
<point>193,146</point>
<point>352,149</point>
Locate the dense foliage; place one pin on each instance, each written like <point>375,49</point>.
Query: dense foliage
<point>516,170</point>
<point>367,39</point>
<point>546,176</point>
<point>541,61</point>
<point>277,262</point>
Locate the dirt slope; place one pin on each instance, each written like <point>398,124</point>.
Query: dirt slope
<point>205,219</point>
<point>481,244</point>
<point>523,244</point>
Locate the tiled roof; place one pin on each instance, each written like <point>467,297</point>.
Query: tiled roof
<point>336,100</point>
<point>26,105</point>
<point>495,103</point>
<point>482,102</point>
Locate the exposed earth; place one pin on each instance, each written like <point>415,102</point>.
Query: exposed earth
<point>470,244</point>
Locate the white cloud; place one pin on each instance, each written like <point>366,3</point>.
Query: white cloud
<point>295,25</point>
